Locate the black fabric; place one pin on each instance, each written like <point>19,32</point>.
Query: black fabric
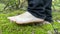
<point>40,9</point>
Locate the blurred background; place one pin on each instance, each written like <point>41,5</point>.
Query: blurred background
<point>16,7</point>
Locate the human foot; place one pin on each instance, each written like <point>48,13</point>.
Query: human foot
<point>25,18</point>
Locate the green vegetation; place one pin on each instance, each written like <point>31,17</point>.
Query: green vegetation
<point>8,27</point>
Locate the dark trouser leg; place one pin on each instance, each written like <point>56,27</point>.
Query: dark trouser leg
<point>35,7</point>
<point>39,9</point>
<point>48,10</point>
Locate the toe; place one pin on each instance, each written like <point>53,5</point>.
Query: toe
<point>11,18</point>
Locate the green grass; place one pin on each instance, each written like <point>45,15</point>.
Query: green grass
<point>8,27</point>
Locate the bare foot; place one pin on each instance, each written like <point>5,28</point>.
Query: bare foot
<point>25,18</point>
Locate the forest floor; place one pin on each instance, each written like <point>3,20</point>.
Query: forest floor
<point>8,27</point>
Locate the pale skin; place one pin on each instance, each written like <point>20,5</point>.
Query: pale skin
<point>26,18</point>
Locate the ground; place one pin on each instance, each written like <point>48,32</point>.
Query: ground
<point>8,27</point>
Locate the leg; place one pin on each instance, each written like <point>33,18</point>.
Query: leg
<point>40,9</point>
<point>48,11</point>
<point>36,8</point>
